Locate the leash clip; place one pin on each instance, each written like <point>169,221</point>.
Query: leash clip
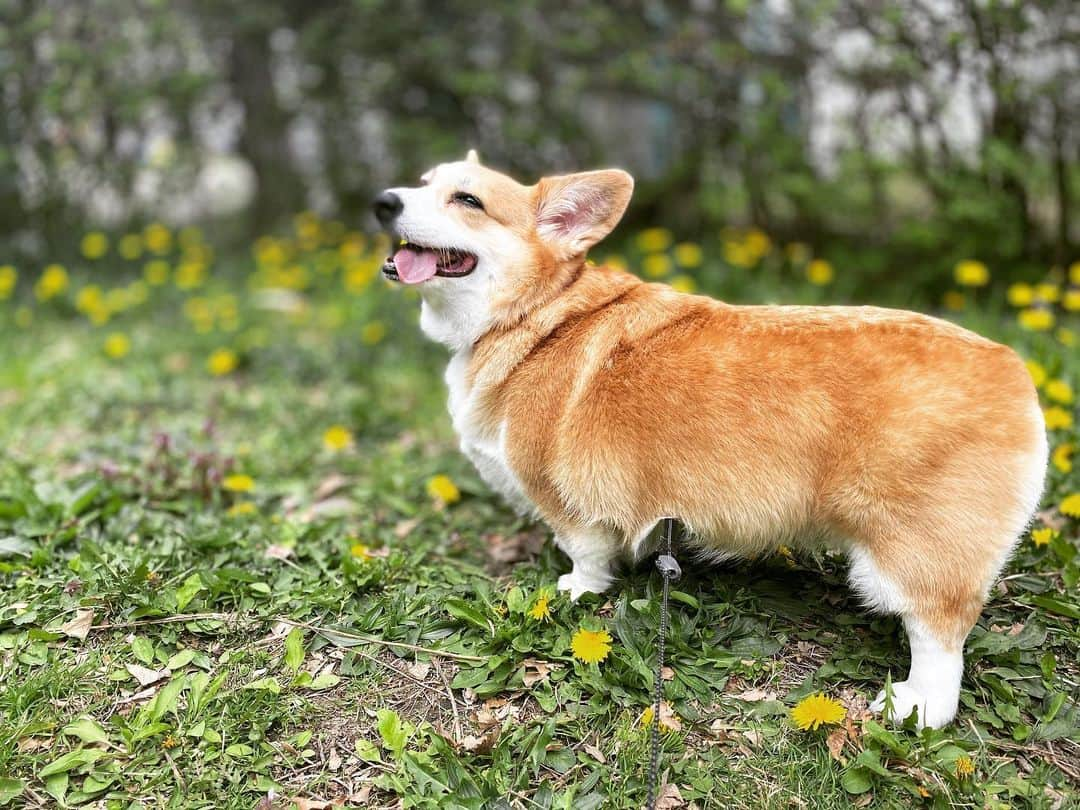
<point>669,568</point>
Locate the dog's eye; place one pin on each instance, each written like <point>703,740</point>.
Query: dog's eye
<point>467,199</point>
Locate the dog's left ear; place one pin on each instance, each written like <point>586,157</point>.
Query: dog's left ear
<point>575,211</point>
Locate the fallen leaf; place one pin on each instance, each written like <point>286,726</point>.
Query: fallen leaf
<point>404,528</point>
<point>669,798</point>
<point>329,485</point>
<point>278,552</point>
<point>835,741</point>
<point>145,676</point>
<point>420,670</point>
<point>516,547</point>
<point>482,744</point>
<point>595,753</point>
<point>80,626</point>
<point>333,762</point>
<point>536,671</point>
<point>668,719</point>
<point>667,674</point>
<point>755,695</point>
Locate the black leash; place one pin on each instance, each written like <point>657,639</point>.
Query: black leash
<point>670,571</point>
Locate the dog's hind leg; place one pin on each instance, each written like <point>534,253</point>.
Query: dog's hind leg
<point>939,602</point>
<point>593,551</point>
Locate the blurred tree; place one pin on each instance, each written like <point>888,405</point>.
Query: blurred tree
<point>944,128</point>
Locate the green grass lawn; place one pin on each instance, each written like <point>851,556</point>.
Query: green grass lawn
<point>231,576</point>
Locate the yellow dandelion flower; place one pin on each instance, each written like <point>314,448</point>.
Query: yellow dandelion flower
<point>130,246</point>
<point>1040,537</point>
<point>442,488</point>
<point>156,272</point>
<point>53,282</point>
<point>656,265</point>
<point>157,238</point>
<point>94,245</point>
<point>591,646</point>
<point>757,242</point>
<point>222,362</point>
<point>817,710</point>
<point>615,261</point>
<point>8,279</point>
<point>1074,273</point>
<point>964,767</point>
<point>1066,337</point>
<point>1057,418</point>
<point>170,742</point>
<point>688,254</point>
<point>819,272</point>
<point>241,508</point>
<point>1062,458</point>
<point>652,240</point>
<point>1020,294</point>
<point>1071,505</point>
<point>1036,320</point>
<point>683,284</point>
<point>337,437</point>
<point>971,273</point>
<point>1059,391</point>
<point>737,255</point>
<point>1037,372</point>
<point>269,251</point>
<point>89,298</point>
<point>117,345</point>
<point>189,275</point>
<point>541,609</point>
<point>954,301</point>
<point>359,275</point>
<point>238,482</point>
<point>360,551</point>
<point>1047,293</point>
<point>1071,300</point>
<point>372,333</point>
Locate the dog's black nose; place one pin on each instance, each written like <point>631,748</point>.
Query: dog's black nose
<point>387,206</point>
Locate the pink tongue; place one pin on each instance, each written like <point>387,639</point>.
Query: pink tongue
<point>414,266</point>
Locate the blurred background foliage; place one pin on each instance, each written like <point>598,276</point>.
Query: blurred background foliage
<point>895,137</point>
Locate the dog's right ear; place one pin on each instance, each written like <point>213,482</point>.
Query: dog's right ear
<point>575,211</point>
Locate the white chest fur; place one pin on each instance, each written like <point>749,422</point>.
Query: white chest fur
<point>487,453</point>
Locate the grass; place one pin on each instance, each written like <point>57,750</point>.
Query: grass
<point>202,604</point>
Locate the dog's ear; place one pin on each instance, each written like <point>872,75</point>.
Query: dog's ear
<point>472,157</point>
<point>575,211</point>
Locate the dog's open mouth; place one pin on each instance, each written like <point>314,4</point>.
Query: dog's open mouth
<point>414,263</point>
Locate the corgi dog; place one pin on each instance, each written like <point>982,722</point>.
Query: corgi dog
<point>604,404</point>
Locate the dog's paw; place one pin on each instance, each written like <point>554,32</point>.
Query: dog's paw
<point>578,585</point>
<point>904,701</point>
<point>934,711</point>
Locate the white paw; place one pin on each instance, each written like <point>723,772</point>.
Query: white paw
<point>905,699</point>
<point>579,584</point>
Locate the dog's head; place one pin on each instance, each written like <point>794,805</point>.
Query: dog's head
<point>481,246</point>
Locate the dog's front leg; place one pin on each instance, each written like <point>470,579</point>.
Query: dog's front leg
<point>592,550</point>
